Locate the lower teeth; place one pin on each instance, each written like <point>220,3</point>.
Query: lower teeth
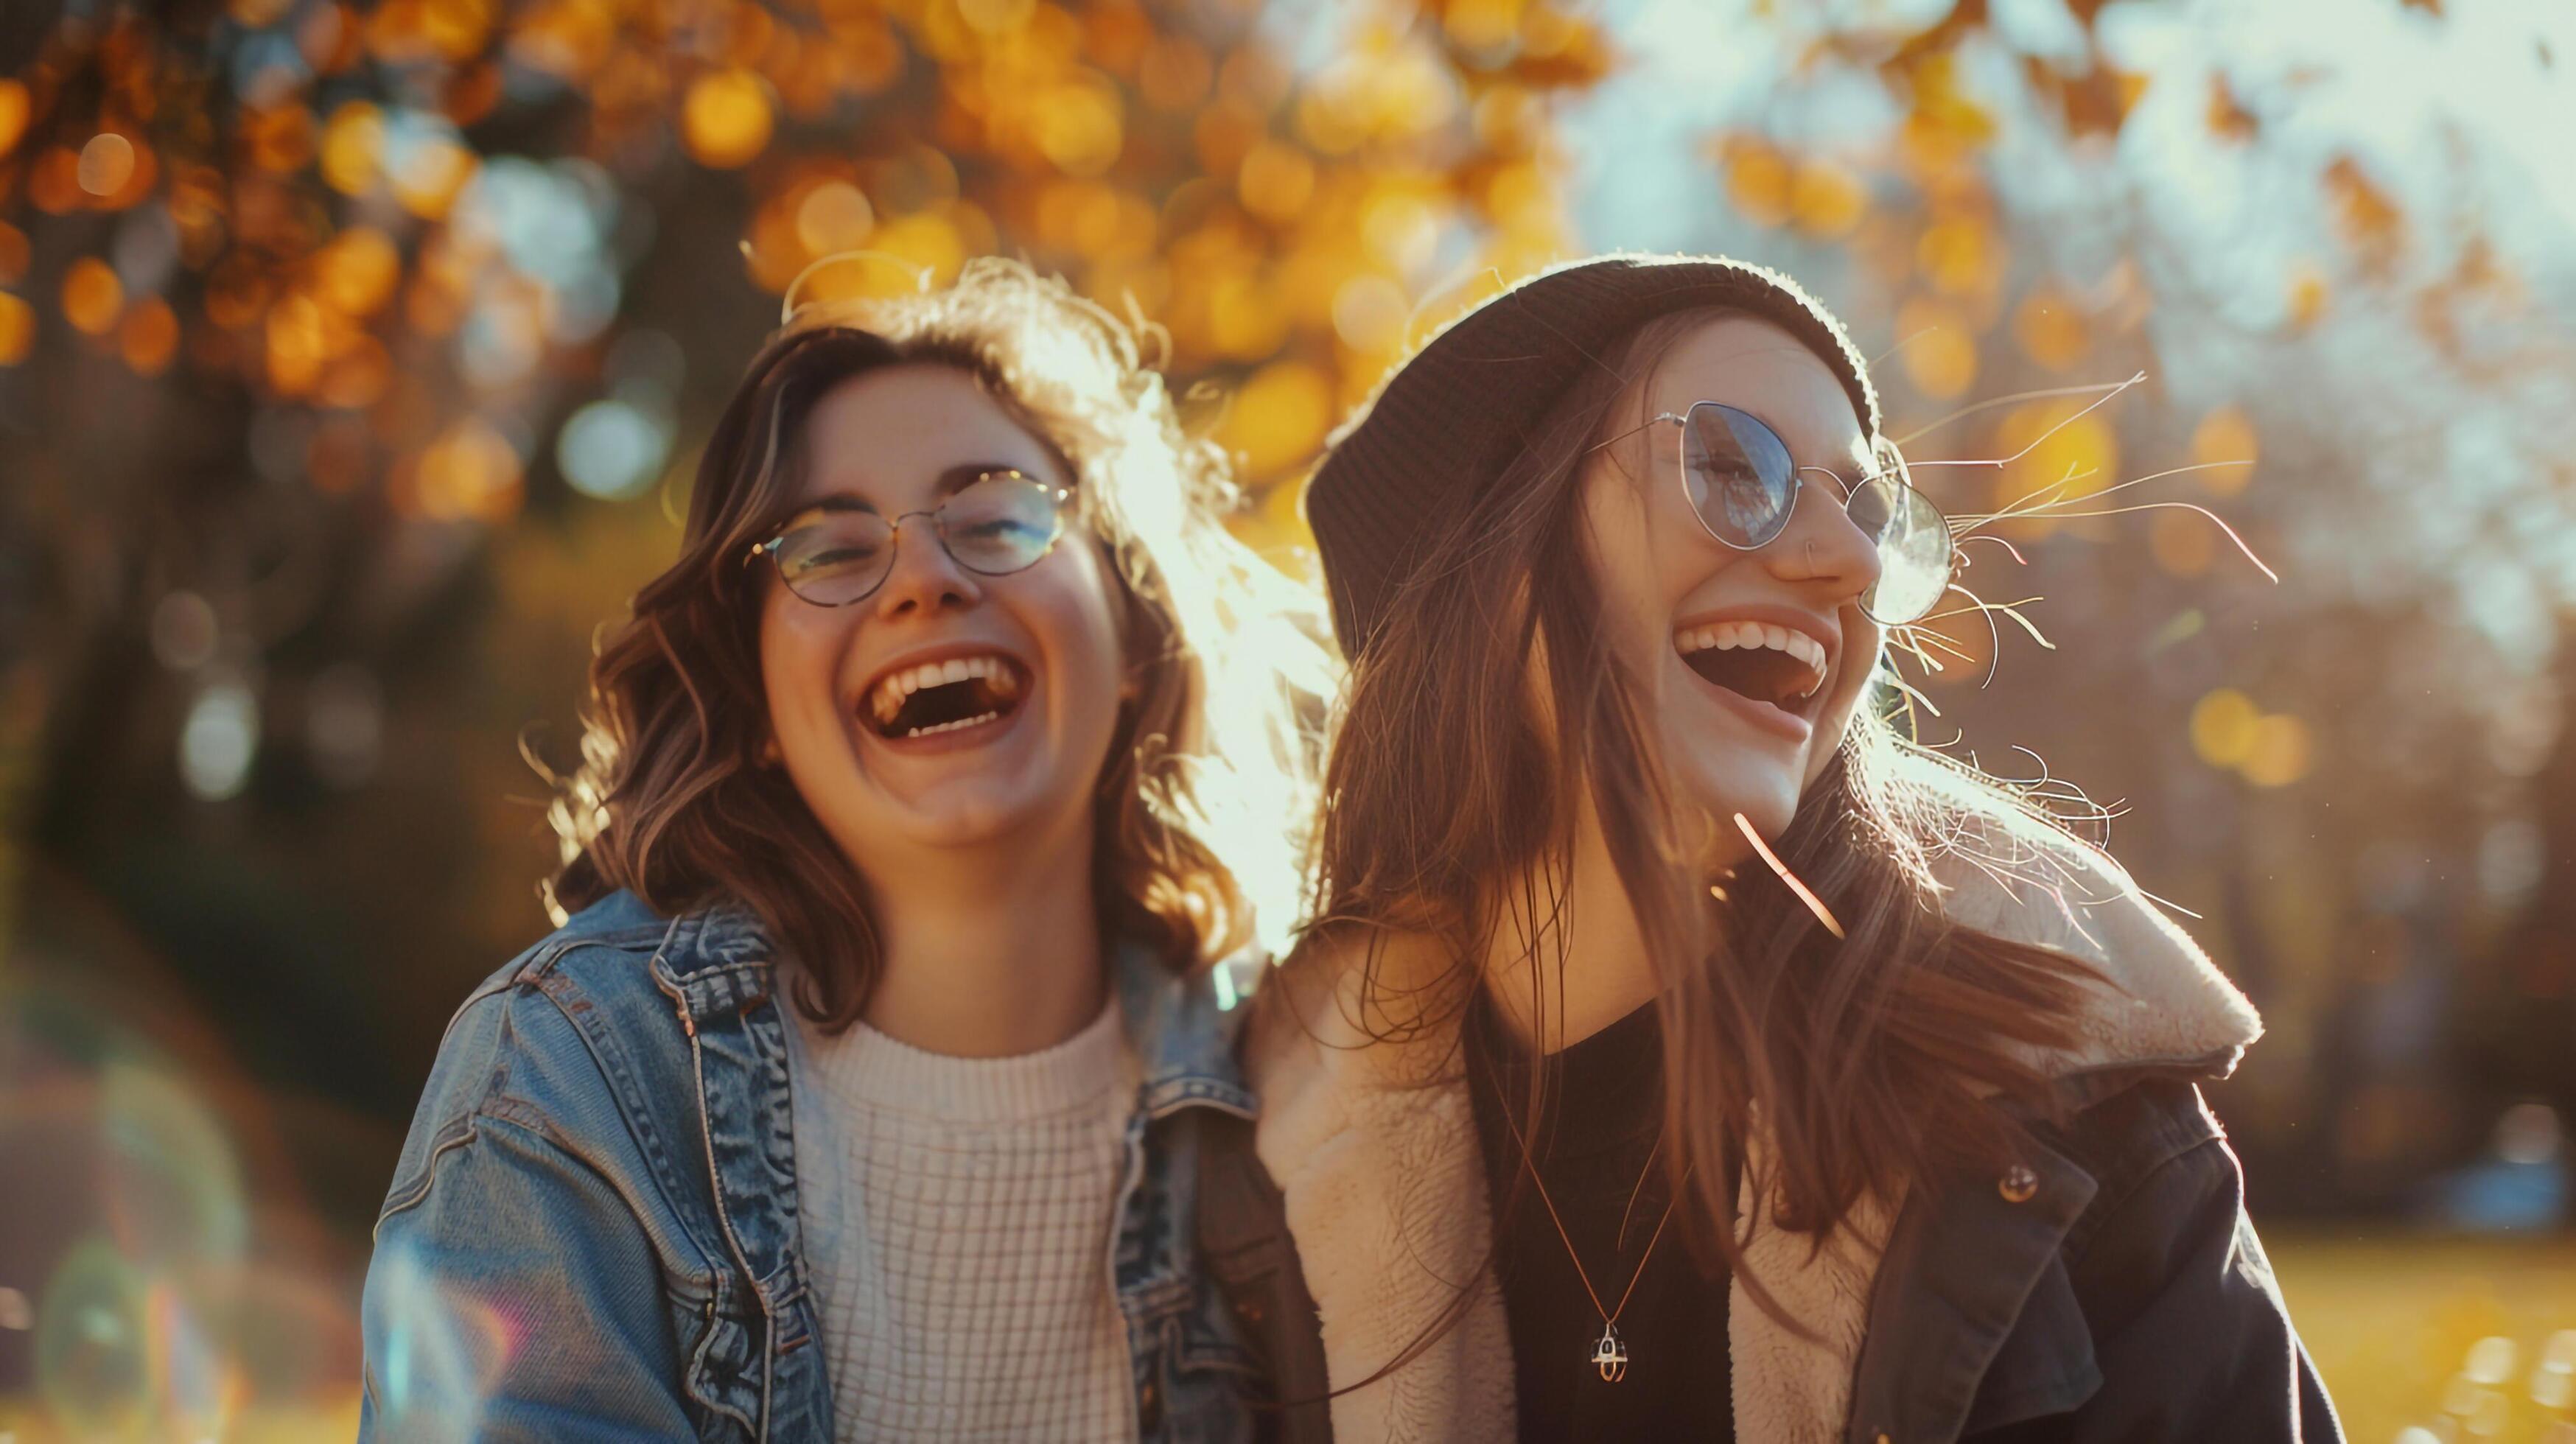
<point>974,721</point>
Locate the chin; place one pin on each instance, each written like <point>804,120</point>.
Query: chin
<point>1768,802</point>
<point>972,812</point>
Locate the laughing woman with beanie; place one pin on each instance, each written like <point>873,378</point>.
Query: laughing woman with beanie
<point>1677,1050</point>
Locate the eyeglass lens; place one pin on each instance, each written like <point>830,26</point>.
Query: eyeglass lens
<point>999,523</point>
<point>1742,482</point>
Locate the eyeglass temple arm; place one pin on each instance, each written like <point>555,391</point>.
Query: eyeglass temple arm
<point>1655,420</point>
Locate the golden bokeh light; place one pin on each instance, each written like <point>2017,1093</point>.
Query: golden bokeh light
<point>298,341</point>
<point>2064,453</point>
<point>280,139</point>
<point>356,273</point>
<point>2308,295</point>
<point>995,17</point>
<point>149,339</point>
<point>353,147</point>
<point>1960,255</point>
<point>2281,752</point>
<point>17,329</point>
<point>1369,313</point>
<point>2049,328</point>
<point>727,119</point>
<point>1757,180</point>
<point>2225,437</point>
<point>1173,74</point>
<point>429,176</point>
<point>1275,182</point>
<point>1077,216</point>
<point>1483,24</point>
<point>16,107</point>
<point>1826,200</point>
<point>1078,126</point>
<point>1400,226</point>
<point>1510,120</point>
<point>53,181</point>
<point>470,473</point>
<point>358,377</point>
<point>15,254</point>
<point>928,244</point>
<point>106,164</point>
<point>1939,348</point>
<point>834,216</point>
<point>1246,317</point>
<point>93,298</point>
<point>1278,417</point>
<point>2225,726</point>
<point>456,28</point>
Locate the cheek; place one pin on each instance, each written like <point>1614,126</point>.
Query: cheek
<point>1643,564</point>
<point>798,645</point>
<point>1075,601</point>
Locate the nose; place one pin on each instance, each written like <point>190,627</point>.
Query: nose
<point>1822,547</point>
<point>925,579</point>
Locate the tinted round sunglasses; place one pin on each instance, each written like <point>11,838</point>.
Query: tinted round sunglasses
<point>1741,483</point>
<point>840,551</point>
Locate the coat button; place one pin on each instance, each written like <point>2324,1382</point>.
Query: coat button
<point>2018,1184</point>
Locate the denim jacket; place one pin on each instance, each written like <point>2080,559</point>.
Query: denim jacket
<point>593,1231</point>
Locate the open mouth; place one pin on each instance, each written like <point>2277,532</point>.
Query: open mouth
<point>1779,665</point>
<point>947,696</point>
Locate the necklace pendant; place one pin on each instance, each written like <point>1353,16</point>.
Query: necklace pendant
<point>1610,1355</point>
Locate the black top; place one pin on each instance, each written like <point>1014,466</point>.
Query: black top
<point>1591,1147</point>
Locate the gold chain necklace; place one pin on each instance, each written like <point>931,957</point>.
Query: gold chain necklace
<point>1609,1352</point>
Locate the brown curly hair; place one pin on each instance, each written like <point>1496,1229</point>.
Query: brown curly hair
<point>670,801</point>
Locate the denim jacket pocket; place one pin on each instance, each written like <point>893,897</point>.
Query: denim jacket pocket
<point>723,1376</point>
<point>1199,1384</point>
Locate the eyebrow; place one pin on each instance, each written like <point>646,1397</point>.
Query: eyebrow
<point>951,481</point>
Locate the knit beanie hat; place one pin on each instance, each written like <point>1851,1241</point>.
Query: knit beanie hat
<point>1447,421</point>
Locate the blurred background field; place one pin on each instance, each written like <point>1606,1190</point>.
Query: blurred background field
<point>354,354</point>
<point>2406,1332</point>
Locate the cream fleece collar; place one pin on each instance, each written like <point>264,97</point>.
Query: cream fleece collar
<point>1376,1156</point>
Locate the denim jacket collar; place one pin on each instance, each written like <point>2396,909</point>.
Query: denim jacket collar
<point>719,958</point>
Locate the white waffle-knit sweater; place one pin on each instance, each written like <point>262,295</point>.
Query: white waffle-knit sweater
<point>958,1218</point>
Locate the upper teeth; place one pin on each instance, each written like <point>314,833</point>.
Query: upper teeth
<point>888,695</point>
<point>1756,634</point>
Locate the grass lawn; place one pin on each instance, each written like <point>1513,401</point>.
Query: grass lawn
<point>2390,1321</point>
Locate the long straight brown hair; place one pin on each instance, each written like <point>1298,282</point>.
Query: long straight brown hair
<point>1452,807</point>
<point>671,800</point>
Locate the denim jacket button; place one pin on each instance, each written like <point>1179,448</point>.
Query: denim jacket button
<point>2018,1184</point>
<point>1149,1409</point>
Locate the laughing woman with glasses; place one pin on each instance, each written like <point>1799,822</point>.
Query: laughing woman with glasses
<point>1678,1050</point>
<point>865,1092</point>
